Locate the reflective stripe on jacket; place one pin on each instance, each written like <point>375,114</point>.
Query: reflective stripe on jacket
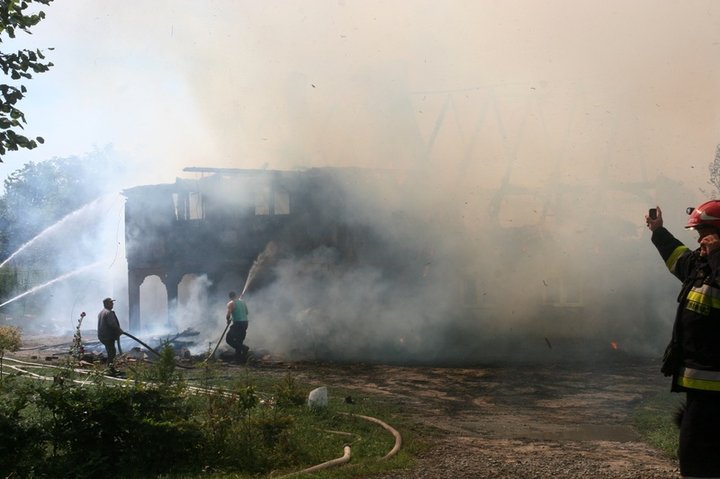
<point>698,379</point>
<point>671,261</point>
<point>702,299</point>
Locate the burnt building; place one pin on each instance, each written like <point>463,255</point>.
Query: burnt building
<point>218,225</point>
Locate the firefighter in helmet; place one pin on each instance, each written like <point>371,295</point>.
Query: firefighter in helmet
<point>693,356</point>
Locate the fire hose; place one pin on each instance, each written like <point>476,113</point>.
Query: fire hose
<point>347,454</point>
<point>151,349</point>
<point>346,449</point>
<point>218,343</point>
<point>390,429</point>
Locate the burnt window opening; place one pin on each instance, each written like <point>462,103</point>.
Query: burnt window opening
<point>196,210</point>
<point>282,202</point>
<point>262,202</point>
<point>272,202</point>
<point>189,206</point>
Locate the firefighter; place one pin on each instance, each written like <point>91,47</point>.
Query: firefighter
<point>237,313</point>
<point>693,355</point>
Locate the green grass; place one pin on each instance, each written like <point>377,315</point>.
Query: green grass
<point>276,414</point>
<point>655,420</point>
<point>323,434</point>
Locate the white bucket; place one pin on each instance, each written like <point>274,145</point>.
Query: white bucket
<point>318,398</point>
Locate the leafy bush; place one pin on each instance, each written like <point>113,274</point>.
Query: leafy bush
<point>9,341</point>
<point>239,435</point>
<point>162,428</point>
<point>288,393</point>
<point>123,432</point>
<point>162,373</point>
<point>21,437</point>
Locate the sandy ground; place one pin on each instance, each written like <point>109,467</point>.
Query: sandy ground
<point>500,421</point>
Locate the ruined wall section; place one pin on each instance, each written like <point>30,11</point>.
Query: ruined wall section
<point>219,225</point>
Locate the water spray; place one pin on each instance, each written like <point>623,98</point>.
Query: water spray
<point>50,229</point>
<point>52,281</point>
<point>258,264</point>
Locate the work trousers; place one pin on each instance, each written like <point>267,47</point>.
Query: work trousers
<point>699,450</point>
<point>110,350</point>
<point>236,336</point>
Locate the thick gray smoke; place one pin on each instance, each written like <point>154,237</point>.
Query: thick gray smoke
<point>424,287</point>
<point>525,142</point>
<point>584,281</point>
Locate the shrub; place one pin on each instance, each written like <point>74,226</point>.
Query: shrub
<point>22,437</point>
<point>287,392</point>
<point>151,430</point>
<point>9,341</point>
<point>121,432</point>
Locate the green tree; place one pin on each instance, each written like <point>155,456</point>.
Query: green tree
<point>39,194</point>
<point>19,66</point>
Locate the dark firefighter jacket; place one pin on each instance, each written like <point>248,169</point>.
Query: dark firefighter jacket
<point>696,332</point>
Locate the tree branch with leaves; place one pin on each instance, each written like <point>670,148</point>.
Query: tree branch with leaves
<point>15,16</point>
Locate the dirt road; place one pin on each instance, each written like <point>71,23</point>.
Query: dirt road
<point>517,421</point>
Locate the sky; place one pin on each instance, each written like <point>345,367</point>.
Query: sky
<point>596,109</point>
<point>361,83</point>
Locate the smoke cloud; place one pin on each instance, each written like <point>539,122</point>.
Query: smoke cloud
<point>525,142</point>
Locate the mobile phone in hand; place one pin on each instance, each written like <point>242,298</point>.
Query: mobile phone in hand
<point>652,212</point>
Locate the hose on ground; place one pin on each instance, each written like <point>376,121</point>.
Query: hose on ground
<point>346,456</point>
<point>151,349</point>
<point>387,427</point>
<point>325,465</point>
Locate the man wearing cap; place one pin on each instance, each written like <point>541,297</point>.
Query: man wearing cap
<point>693,355</point>
<point>108,329</point>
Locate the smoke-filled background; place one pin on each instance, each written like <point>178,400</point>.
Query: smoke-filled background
<point>525,140</point>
